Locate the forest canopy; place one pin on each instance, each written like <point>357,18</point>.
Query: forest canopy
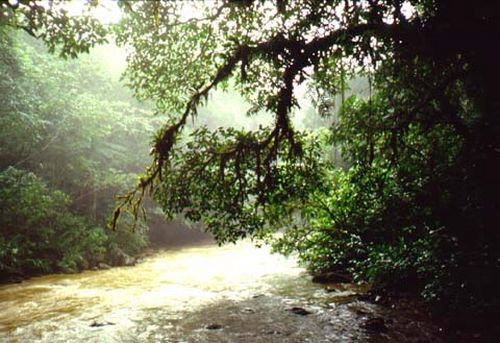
<point>416,202</point>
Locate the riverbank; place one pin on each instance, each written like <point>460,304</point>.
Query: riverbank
<point>114,257</point>
<point>462,325</point>
<point>451,327</point>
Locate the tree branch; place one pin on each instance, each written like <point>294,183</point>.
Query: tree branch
<point>298,56</point>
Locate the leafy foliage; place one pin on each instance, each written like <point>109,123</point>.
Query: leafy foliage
<point>52,23</point>
<point>39,233</point>
<point>401,216</point>
<point>419,196</point>
<point>70,128</point>
<point>239,180</point>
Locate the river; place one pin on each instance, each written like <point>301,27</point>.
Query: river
<point>234,293</point>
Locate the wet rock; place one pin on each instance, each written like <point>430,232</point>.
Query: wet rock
<point>300,311</point>
<point>332,277</point>
<point>373,298</point>
<point>361,312</point>
<point>272,332</point>
<point>147,253</point>
<point>368,297</point>
<point>375,324</point>
<point>330,289</point>
<point>84,264</point>
<point>96,324</point>
<point>16,278</point>
<point>94,259</point>
<point>69,270</point>
<point>64,283</point>
<point>213,326</point>
<point>117,257</point>
<point>130,261</point>
<point>103,266</point>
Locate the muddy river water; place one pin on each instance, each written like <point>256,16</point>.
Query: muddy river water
<point>235,293</point>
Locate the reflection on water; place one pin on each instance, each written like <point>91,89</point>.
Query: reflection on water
<point>242,291</point>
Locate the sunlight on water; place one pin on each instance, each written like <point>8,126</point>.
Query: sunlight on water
<point>183,279</point>
<point>176,295</point>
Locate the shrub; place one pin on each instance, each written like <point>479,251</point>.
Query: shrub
<point>38,233</point>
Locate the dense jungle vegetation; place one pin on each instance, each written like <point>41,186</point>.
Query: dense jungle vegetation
<point>67,130</point>
<point>413,207</point>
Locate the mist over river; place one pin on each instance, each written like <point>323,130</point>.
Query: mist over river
<point>206,293</point>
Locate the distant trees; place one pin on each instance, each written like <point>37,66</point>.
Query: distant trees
<point>67,130</point>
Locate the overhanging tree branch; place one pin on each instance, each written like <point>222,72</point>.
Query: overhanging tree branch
<point>297,55</point>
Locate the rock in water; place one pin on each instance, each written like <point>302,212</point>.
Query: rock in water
<point>331,277</point>
<point>96,324</point>
<point>299,310</point>
<point>376,324</point>
<point>272,332</point>
<point>117,257</point>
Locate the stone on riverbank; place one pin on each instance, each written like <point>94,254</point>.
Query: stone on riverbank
<point>118,258</point>
<point>300,311</point>
<point>375,324</point>
<point>332,277</point>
